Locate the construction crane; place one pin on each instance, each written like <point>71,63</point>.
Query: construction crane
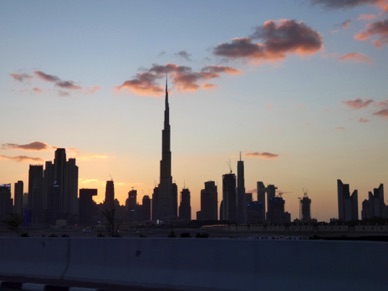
<point>229,166</point>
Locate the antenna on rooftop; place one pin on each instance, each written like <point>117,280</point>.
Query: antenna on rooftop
<point>229,166</point>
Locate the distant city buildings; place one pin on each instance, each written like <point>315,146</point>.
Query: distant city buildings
<point>374,207</point>
<point>347,204</point>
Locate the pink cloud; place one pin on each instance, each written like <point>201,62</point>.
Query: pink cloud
<point>356,57</point>
<point>358,103</point>
<point>336,4</point>
<point>183,77</point>
<point>263,155</point>
<point>37,90</point>
<point>366,17</point>
<point>33,146</point>
<point>382,113</point>
<point>21,158</point>
<point>47,77</point>
<point>340,128</point>
<point>21,77</point>
<point>278,39</point>
<point>363,120</point>
<point>68,85</point>
<point>377,29</point>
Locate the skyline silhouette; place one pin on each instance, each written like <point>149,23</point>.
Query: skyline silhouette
<point>297,87</point>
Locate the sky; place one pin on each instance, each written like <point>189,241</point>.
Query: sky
<point>299,87</point>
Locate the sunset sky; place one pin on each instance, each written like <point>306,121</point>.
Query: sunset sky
<point>300,87</point>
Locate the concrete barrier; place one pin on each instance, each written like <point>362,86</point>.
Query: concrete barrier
<point>212,264</point>
<point>33,257</point>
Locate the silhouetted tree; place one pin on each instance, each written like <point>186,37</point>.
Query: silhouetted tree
<point>112,224</point>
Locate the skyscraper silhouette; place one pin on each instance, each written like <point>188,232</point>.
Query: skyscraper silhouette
<point>165,202</point>
<point>109,194</point>
<point>19,187</point>
<point>229,201</point>
<point>209,202</point>
<point>241,199</point>
<point>347,204</point>
<point>185,206</point>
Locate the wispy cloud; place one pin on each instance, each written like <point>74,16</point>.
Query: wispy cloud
<point>355,57</point>
<point>263,155</point>
<point>183,78</point>
<point>184,55</point>
<point>47,77</point>
<point>64,86</point>
<point>21,77</point>
<point>33,146</point>
<point>338,4</point>
<point>382,113</point>
<point>278,38</point>
<point>346,24</point>
<point>21,158</point>
<point>358,103</point>
<point>377,29</point>
<point>363,120</point>
<point>366,17</point>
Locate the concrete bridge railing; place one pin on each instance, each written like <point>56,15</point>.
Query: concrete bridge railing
<point>200,264</point>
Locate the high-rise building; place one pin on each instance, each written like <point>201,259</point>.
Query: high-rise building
<point>109,194</point>
<point>18,196</point>
<point>261,199</point>
<point>71,191</point>
<point>87,207</point>
<point>145,209</point>
<point>375,206</point>
<point>35,194</point>
<point>60,188</point>
<point>271,194</point>
<point>185,206</point>
<point>209,202</point>
<point>347,204</point>
<point>5,201</point>
<point>131,206</point>
<point>241,199</point>
<point>229,199</point>
<point>305,209</point>
<point>276,211</point>
<point>165,206</point>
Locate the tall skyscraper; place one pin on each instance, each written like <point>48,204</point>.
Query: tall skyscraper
<point>146,208</point>
<point>109,194</point>
<point>35,194</point>
<point>18,196</point>
<point>347,204</point>
<point>261,200</point>
<point>241,199</point>
<point>166,203</point>
<point>131,206</point>
<point>305,209</point>
<point>209,202</point>
<point>185,206</point>
<point>271,194</point>
<point>229,199</point>
<point>5,201</point>
<point>71,191</point>
<point>87,207</point>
